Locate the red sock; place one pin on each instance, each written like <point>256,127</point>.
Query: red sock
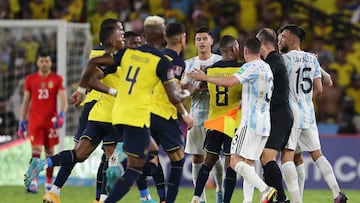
<point>49,175</point>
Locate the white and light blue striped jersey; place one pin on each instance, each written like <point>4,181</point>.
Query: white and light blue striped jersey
<point>257,86</point>
<point>302,68</point>
<point>200,100</point>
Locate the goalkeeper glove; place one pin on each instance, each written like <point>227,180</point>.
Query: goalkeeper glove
<point>59,120</point>
<point>22,129</point>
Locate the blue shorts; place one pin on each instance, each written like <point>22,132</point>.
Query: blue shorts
<point>215,140</point>
<point>83,119</point>
<point>166,132</point>
<point>136,140</point>
<point>97,131</point>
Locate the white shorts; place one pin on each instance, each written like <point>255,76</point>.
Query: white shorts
<point>247,144</point>
<point>307,139</point>
<point>195,140</point>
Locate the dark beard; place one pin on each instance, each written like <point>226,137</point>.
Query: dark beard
<point>284,49</point>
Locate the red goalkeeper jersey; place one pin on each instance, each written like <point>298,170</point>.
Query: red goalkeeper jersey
<point>43,91</point>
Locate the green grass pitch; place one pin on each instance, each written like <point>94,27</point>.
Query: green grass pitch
<point>75,194</point>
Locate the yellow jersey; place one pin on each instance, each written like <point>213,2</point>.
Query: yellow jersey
<point>223,99</point>
<point>93,94</point>
<point>102,110</point>
<point>160,104</point>
<point>141,70</point>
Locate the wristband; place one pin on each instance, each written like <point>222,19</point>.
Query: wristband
<point>82,90</point>
<point>62,114</point>
<point>112,91</point>
<point>185,114</point>
<point>185,93</point>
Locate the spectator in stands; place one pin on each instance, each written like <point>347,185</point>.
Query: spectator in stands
<point>171,14</point>
<point>329,101</point>
<point>352,55</point>
<point>102,13</point>
<point>248,16</point>
<point>41,9</point>
<point>29,43</point>
<point>345,70</point>
<point>15,101</point>
<point>319,49</point>
<point>353,91</point>
<point>346,125</point>
<point>7,119</point>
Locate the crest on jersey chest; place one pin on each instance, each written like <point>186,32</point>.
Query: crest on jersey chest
<point>51,84</point>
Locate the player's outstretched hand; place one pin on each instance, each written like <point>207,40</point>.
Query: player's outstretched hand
<point>197,75</point>
<point>76,98</point>
<point>22,129</point>
<point>59,120</point>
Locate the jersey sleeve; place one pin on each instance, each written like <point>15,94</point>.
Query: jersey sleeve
<point>246,73</point>
<point>317,73</point>
<point>109,69</point>
<point>61,85</point>
<point>27,86</point>
<point>164,70</point>
<point>118,56</point>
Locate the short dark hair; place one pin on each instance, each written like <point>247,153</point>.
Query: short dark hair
<point>44,54</point>
<point>173,29</point>
<point>203,30</point>
<point>226,41</point>
<point>295,30</point>
<point>131,34</point>
<point>267,35</point>
<point>105,33</point>
<point>109,22</point>
<point>253,44</point>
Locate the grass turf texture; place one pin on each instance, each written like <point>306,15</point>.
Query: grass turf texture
<point>76,194</point>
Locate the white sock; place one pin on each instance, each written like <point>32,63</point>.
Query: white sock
<point>327,172</point>
<point>55,189</point>
<point>291,181</point>
<point>103,197</point>
<point>195,172</point>
<point>300,169</point>
<point>218,175</point>
<point>248,189</point>
<point>248,172</point>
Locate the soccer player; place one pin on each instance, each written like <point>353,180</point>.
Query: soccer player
<point>132,39</point>
<point>304,74</point>
<point>112,37</point>
<point>222,100</point>
<point>40,104</point>
<point>165,127</point>
<point>142,69</point>
<point>153,166</point>
<point>91,98</point>
<point>200,109</point>
<point>280,113</point>
<point>254,129</point>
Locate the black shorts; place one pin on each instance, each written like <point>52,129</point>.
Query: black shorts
<point>136,140</point>
<point>167,133</point>
<point>83,119</point>
<point>281,123</point>
<point>215,140</point>
<point>97,131</point>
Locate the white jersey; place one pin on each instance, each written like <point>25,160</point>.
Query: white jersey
<point>200,100</point>
<point>257,86</point>
<point>302,68</point>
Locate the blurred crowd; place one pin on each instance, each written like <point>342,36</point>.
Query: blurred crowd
<point>333,33</point>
